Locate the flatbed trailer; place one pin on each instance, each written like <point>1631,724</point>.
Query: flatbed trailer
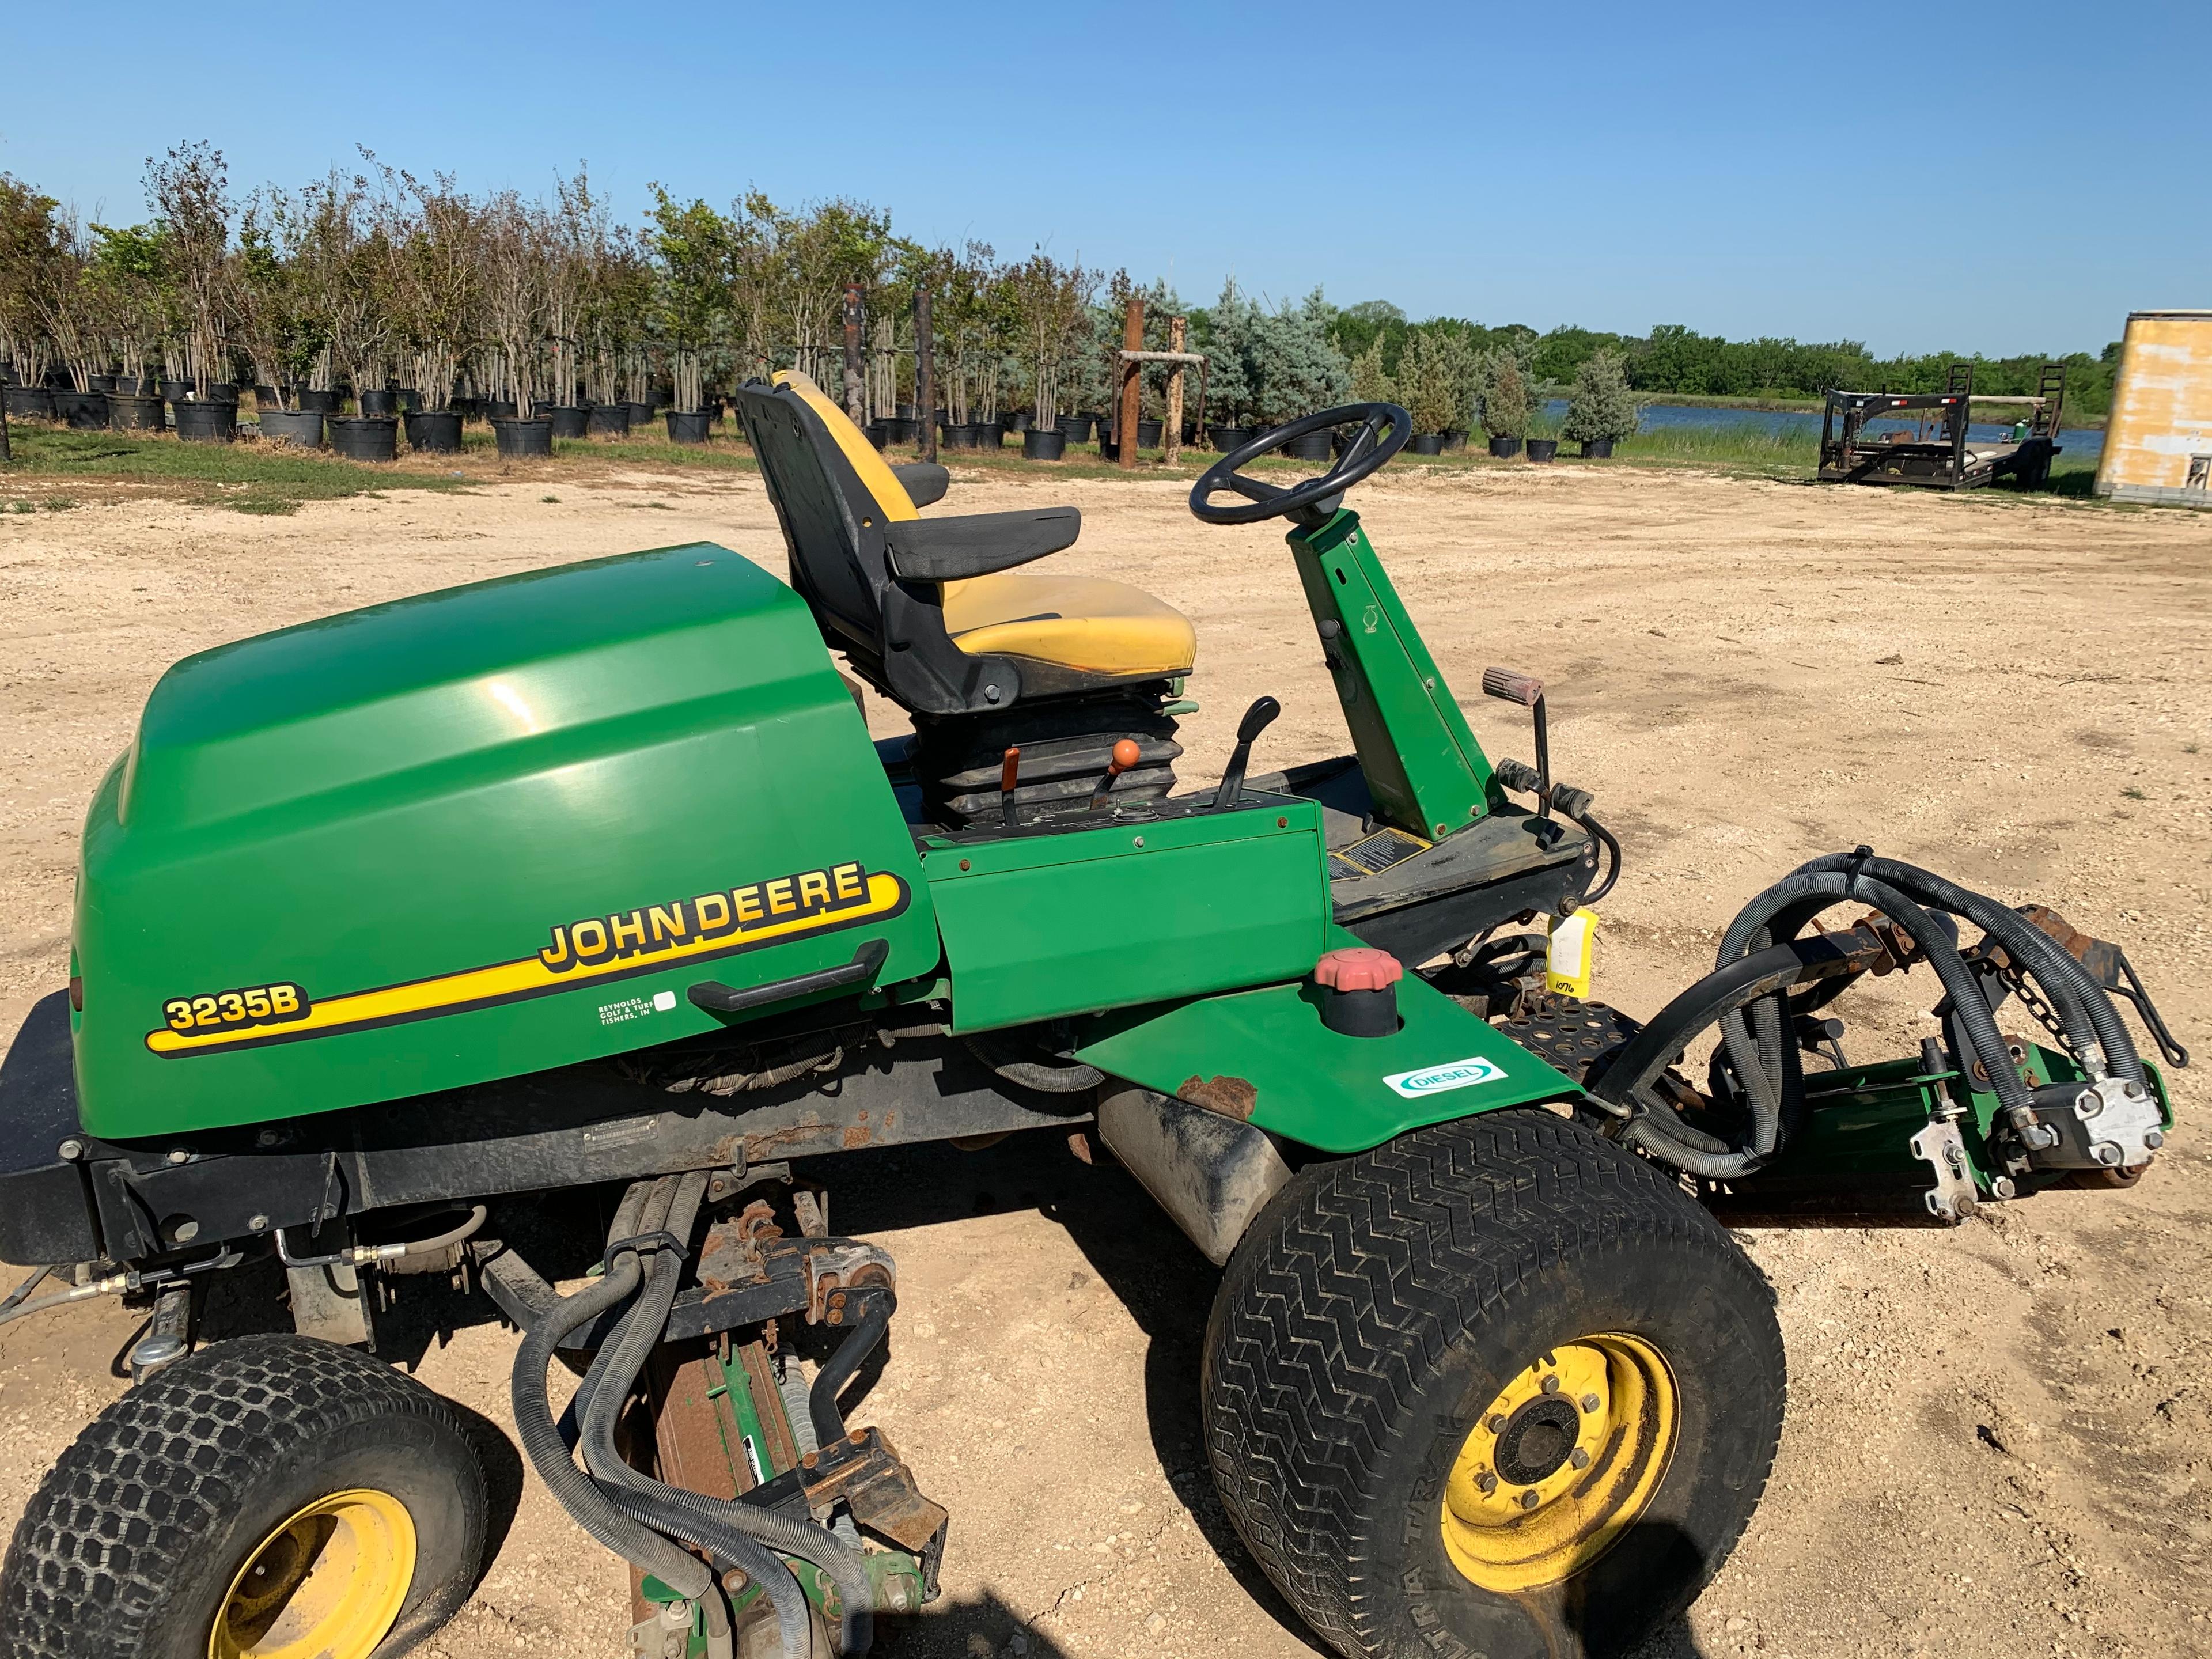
<point>1936,451</point>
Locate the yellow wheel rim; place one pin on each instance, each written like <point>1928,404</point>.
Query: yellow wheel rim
<point>327,1584</point>
<point>1560,1463</point>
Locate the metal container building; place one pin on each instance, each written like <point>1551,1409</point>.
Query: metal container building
<point>2158,444</point>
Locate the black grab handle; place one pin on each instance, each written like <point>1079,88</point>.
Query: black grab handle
<point>717,997</point>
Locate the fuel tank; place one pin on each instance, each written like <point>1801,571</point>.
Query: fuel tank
<point>472,834</point>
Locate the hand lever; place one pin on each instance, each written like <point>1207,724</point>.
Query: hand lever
<point>1509,686</point>
<point>1257,719</point>
<point>1009,770</point>
<point>1126,755</point>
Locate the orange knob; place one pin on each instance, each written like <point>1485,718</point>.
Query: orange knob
<point>1126,755</point>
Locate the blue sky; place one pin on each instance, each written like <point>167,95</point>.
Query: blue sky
<point>2001,180</point>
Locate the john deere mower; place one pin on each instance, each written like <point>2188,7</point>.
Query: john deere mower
<point>391,925</point>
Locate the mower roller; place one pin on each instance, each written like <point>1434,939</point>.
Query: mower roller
<point>390,925</point>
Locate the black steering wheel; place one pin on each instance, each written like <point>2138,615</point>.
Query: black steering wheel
<point>1366,452</point>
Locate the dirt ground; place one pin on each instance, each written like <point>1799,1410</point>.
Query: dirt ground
<point>1999,1439</point>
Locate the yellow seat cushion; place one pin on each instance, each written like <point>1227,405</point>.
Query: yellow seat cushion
<point>1083,622</point>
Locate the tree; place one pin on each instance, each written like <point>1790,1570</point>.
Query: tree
<point>1054,302</point>
<point>1370,382</point>
<point>273,325</point>
<point>1225,334</point>
<point>434,240</point>
<point>1297,367</point>
<point>190,191</point>
<point>1505,405</point>
<point>690,244</point>
<point>27,235</point>
<point>1601,408</point>
<point>1426,385</point>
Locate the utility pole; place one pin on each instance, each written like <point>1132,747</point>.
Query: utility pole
<point>925,373</point>
<point>856,394</point>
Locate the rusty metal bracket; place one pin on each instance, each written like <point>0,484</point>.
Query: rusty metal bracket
<point>837,1271</point>
<point>867,1472</point>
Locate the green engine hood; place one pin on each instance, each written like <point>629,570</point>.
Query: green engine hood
<point>472,834</point>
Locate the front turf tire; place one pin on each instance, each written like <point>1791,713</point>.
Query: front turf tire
<point>1390,1323</point>
<point>225,1473</point>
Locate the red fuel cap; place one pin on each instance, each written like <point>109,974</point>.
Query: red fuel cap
<point>1359,968</point>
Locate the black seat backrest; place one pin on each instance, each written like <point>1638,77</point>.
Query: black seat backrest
<point>833,522</point>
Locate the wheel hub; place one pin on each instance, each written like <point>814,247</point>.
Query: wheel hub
<point>326,1584</point>
<point>1560,1463</point>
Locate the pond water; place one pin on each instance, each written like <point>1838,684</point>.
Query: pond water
<point>2076,443</point>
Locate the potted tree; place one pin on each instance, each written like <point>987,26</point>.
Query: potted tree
<point>26,227</point>
<point>570,232</point>
<point>617,291</point>
<point>1426,391</point>
<point>73,308</point>
<point>130,265</point>
<point>1054,303</point>
<point>272,325</point>
<point>1506,407</point>
<point>1226,334</point>
<point>1297,368</point>
<point>350,267</point>
<point>434,286</point>
<point>1601,409</point>
<point>513,268</point>
<point>690,244</point>
<point>188,190</point>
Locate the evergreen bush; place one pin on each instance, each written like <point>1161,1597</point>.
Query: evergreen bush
<point>1599,405</point>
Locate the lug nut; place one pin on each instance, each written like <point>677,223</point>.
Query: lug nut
<point>1590,1402</point>
<point>1496,1426</point>
<point>2153,1139</point>
<point>1578,1458</point>
<point>1529,1500</point>
<point>2002,1187</point>
<point>1550,1385</point>
<point>1486,1483</point>
<point>71,1150</point>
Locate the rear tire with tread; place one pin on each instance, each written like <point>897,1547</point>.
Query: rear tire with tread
<point>1377,1308</point>
<point>129,1548</point>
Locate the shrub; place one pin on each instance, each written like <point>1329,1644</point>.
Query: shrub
<point>1599,405</point>
<point>1506,408</point>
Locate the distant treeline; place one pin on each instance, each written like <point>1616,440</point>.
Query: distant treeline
<point>1672,359</point>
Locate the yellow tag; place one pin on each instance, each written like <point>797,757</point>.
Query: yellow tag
<point>1571,954</point>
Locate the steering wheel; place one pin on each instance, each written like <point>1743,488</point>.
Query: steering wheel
<point>1361,457</point>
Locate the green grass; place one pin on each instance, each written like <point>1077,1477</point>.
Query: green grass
<point>1794,453</point>
<point>247,477</point>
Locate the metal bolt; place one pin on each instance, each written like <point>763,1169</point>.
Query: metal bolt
<point>990,694</point>
<point>2002,1187</point>
<point>1590,1402</point>
<point>1486,1483</point>
<point>894,1593</point>
<point>1550,1385</point>
<point>1139,842</point>
<point>258,1224</point>
<point>267,1137</point>
<point>2105,1151</point>
<point>1529,1500</point>
<point>2088,1103</point>
<point>2132,1091</point>
<point>2153,1139</point>
<point>1496,1426</point>
<point>735,1581</point>
<point>179,1155</point>
<point>70,1149</point>
<point>810,1459</point>
<point>187,1231</point>
<point>1578,1458</point>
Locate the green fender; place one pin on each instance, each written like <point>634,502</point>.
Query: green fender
<point>1265,1056</point>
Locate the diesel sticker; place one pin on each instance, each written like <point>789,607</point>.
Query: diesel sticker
<point>1452,1074</point>
<point>585,950</point>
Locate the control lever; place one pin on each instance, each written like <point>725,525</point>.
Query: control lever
<point>1126,755</point>
<point>1257,719</point>
<point>1510,685</point>
<point>1009,770</point>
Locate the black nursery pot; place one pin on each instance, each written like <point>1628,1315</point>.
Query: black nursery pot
<point>640,415</point>
<point>322,402</point>
<point>569,420</point>
<point>127,413</point>
<point>207,423</point>
<point>691,428</point>
<point>990,434</point>
<point>1226,438</point>
<point>29,403</point>
<point>81,411</point>
<point>609,421</point>
<point>1503,448</point>
<point>519,438</point>
<point>1313,446</point>
<point>103,384</point>
<point>1076,429</point>
<point>1149,433</point>
<point>1454,440</point>
<point>380,403</point>
<point>1426,443</point>
<point>434,432</point>
<point>1043,446</point>
<point>956,437</point>
<point>1543,449</point>
<point>1022,422</point>
<point>364,437</point>
<point>1598,449</point>
<point>303,427</point>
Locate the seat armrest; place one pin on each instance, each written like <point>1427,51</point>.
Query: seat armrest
<point>977,544</point>
<point>924,482</point>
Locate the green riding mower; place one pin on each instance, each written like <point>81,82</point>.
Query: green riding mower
<point>391,925</point>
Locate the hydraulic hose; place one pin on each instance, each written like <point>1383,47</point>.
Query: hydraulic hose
<point>612,1376</point>
<point>578,1494</point>
<point>730,1549</point>
<point>2094,1027</point>
<point>829,1381</point>
<point>1754,971</point>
